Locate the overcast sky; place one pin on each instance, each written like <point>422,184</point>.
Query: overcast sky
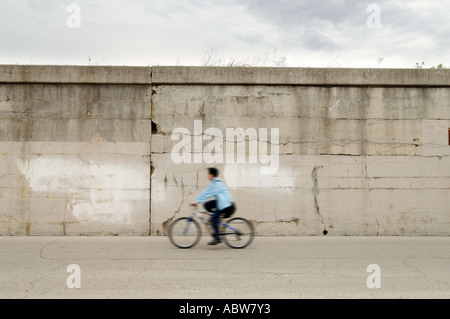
<point>297,33</point>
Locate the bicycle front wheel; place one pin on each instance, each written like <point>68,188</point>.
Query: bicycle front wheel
<point>238,233</point>
<point>184,233</point>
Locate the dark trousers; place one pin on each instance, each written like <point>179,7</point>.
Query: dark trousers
<point>211,207</point>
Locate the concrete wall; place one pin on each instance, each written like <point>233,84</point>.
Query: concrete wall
<point>90,150</point>
<point>74,150</point>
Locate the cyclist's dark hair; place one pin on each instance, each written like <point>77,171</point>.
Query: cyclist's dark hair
<point>213,171</point>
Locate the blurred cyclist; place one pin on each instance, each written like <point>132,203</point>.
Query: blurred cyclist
<point>221,206</point>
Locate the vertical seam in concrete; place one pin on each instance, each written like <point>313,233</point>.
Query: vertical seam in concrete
<point>150,157</point>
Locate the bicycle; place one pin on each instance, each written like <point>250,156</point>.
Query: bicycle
<point>186,232</point>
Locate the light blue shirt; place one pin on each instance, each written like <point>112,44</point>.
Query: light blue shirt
<point>219,191</point>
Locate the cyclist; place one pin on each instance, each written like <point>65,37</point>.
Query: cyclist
<point>222,204</point>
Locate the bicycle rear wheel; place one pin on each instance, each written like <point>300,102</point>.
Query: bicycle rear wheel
<point>237,233</point>
<point>184,233</point>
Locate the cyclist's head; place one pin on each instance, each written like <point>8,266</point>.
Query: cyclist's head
<point>213,171</point>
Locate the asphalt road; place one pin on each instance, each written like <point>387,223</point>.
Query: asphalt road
<point>271,268</point>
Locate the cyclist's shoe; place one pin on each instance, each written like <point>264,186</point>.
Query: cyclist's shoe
<point>214,242</point>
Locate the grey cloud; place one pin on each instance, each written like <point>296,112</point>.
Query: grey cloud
<point>307,23</point>
<point>307,12</point>
<point>315,24</point>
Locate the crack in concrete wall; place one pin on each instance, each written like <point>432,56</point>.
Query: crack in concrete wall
<point>316,192</point>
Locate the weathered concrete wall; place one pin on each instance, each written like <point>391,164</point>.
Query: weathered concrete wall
<point>74,150</point>
<point>90,150</point>
<point>361,152</point>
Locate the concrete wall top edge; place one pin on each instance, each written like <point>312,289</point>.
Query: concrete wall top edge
<point>224,75</point>
<point>62,74</point>
<point>301,76</point>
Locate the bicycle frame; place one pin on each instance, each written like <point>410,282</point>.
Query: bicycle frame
<point>200,215</point>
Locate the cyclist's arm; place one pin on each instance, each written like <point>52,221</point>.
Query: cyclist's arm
<point>208,193</point>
